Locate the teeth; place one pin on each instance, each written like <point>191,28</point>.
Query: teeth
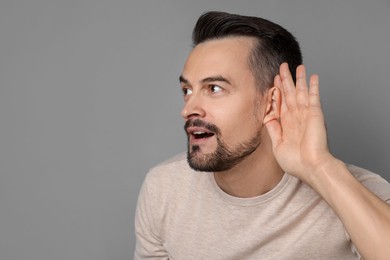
<point>198,133</point>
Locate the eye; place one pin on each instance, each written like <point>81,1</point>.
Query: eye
<point>187,91</point>
<point>215,88</point>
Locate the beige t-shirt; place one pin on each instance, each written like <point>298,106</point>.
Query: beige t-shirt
<point>183,214</point>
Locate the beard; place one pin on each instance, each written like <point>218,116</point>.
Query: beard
<point>223,158</point>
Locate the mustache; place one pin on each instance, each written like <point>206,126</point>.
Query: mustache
<point>200,123</point>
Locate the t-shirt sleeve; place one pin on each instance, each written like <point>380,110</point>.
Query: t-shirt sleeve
<point>374,182</point>
<point>148,241</point>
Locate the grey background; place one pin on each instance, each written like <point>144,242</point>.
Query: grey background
<point>90,100</point>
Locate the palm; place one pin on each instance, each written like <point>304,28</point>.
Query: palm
<point>299,137</point>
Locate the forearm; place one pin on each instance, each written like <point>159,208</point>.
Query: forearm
<point>365,216</point>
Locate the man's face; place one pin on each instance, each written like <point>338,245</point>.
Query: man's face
<point>222,110</point>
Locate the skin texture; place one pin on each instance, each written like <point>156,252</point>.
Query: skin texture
<point>210,102</point>
<point>236,108</point>
<point>291,124</point>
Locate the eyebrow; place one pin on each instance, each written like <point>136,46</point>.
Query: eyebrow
<point>183,80</point>
<point>206,80</point>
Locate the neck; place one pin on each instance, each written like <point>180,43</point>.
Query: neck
<point>255,175</point>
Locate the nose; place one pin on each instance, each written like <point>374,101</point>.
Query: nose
<point>193,107</point>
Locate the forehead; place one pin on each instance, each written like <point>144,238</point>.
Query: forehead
<point>227,57</point>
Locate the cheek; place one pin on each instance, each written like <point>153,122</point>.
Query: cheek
<point>238,121</point>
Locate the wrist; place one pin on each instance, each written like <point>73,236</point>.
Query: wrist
<point>325,172</point>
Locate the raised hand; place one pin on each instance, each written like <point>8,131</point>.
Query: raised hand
<point>299,136</point>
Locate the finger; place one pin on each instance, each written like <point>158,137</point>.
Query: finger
<point>314,91</point>
<point>288,86</point>
<point>301,87</point>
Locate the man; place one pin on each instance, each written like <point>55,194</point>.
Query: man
<point>267,186</point>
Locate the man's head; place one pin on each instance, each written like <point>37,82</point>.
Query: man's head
<point>225,81</point>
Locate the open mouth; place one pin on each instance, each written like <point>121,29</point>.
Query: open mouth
<point>199,131</point>
<point>201,135</point>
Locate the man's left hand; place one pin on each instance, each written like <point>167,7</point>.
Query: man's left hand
<point>299,136</point>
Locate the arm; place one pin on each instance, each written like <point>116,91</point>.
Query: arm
<point>300,147</point>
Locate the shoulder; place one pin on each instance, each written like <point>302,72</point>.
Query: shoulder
<point>178,161</point>
<point>162,184</point>
<point>169,190</point>
<point>365,176</point>
<point>171,178</point>
<point>372,181</point>
<point>174,168</point>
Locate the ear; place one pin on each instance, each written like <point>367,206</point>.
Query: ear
<point>273,100</point>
